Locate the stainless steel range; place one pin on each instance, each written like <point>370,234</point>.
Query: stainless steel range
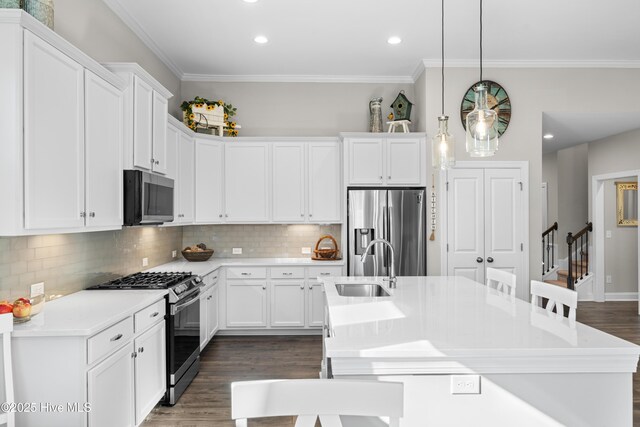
<point>183,324</point>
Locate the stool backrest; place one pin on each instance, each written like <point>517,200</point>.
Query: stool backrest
<point>501,280</point>
<point>557,296</point>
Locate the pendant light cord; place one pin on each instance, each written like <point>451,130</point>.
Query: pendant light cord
<point>481,41</point>
<point>442,50</point>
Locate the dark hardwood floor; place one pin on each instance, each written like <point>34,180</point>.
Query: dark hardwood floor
<point>207,400</point>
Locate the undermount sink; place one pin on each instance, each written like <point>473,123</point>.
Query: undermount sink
<point>361,290</point>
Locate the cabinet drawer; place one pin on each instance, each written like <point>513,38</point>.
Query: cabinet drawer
<point>210,279</point>
<point>109,340</point>
<point>246,273</point>
<point>150,315</point>
<point>287,272</point>
<point>315,272</point>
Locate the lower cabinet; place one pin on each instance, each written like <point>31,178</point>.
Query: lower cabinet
<point>287,303</point>
<point>150,370</point>
<point>209,323</point>
<point>247,303</point>
<point>110,391</point>
<point>315,304</point>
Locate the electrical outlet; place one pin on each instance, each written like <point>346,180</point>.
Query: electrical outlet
<point>609,281</point>
<point>174,254</point>
<point>145,262</point>
<point>37,289</point>
<point>236,251</point>
<point>306,251</point>
<point>465,384</point>
<point>608,234</point>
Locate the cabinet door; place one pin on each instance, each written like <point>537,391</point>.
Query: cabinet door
<point>208,181</point>
<point>186,176</point>
<point>142,123</point>
<point>159,132</point>
<point>365,161</point>
<point>288,182</point>
<point>172,154</point>
<point>110,391</point>
<point>403,161</point>
<point>103,146</point>
<point>287,303</point>
<point>212,312</point>
<point>246,303</point>
<point>204,333</point>
<point>53,137</point>
<point>315,304</point>
<point>150,370</point>
<point>324,182</point>
<point>246,182</point>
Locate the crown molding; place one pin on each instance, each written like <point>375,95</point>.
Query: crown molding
<point>275,78</point>
<point>533,63</point>
<point>137,29</point>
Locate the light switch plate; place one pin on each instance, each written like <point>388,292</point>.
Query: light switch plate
<point>465,384</point>
<point>306,251</point>
<point>609,281</point>
<point>236,251</point>
<point>145,262</point>
<point>37,289</point>
<point>608,233</point>
<point>174,254</point>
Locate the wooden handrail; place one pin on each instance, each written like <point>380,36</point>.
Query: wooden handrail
<point>550,229</point>
<point>583,237</point>
<point>571,238</point>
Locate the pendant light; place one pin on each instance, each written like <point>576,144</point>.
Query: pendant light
<point>482,132</point>
<point>443,144</point>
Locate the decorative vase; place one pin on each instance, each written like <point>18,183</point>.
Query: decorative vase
<point>9,4</point>
<point>42,10</point>
<point>375,115</point>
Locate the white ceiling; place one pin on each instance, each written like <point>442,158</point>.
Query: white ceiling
<point>569,129</point>
<point>346,40</point>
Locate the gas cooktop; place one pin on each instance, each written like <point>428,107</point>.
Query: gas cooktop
<point>146,281</point>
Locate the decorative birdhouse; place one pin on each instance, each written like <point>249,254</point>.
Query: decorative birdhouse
<point>401,107</point>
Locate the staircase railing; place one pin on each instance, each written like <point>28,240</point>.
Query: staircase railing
<point>578,242</point>
<point>548,248</point>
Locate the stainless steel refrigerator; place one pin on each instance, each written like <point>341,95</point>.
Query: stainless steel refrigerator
<point>397,215</point>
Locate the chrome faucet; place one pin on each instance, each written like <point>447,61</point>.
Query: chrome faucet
<point>392,270</point>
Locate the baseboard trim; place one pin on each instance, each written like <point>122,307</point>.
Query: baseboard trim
<point>266,332</point>
<point>621,296</point>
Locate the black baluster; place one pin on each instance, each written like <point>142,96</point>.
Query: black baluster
<point>553,249</point>
<point>570,268</point>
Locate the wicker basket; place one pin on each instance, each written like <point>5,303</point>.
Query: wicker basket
<point>197,256</point>
<point>326,254</point>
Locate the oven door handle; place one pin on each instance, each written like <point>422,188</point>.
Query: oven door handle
<point>175,308</point>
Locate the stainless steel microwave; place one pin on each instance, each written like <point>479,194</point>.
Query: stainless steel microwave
<point>148,198</point>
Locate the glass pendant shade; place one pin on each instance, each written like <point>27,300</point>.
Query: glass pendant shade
<point>443,146</point>
<point>482,131</point>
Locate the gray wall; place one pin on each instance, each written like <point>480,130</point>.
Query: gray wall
<point>300,109</point>
<point>550,176</point>
<point>420,117</point>
<point>532,92</point>
<point>96,30</point>
<point>573,192</point>
<point>621,250</point>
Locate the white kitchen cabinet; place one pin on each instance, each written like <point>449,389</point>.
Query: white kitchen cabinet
<point>103,152</point>
<point>185,180</point>
<point>288,182</point>
<point>247,182</point>
<point>173,137</point>
<point>204,333</point>
<point>365,161</point>
<point>150,370</point>
<point>315,303</point>
<point>246,303</point>
<point>209,167</point>
<point>385,160</point>
<point>110,390</point>
<point>288,303</point>
<point>54,195</point>
<point>213,322</point>
<point>209,311</point>
<point>145,143</point>
<point>159,128</point>
<point>324,182</point>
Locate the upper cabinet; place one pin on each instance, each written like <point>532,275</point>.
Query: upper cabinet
<point>209,168</point>
<point>385,159</point>
<point>180,150</point>
<point>145,143</point>
<point>324,172</point>
<point>288,194</point>
<point>62,134</point>
<point>246,181</point>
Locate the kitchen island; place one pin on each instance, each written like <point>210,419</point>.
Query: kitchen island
<point>469,355</point>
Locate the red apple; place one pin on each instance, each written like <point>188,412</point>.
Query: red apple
<point>21,308</point>
<point>5,307</point>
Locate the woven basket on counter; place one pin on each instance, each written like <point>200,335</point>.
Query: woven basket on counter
<point>326,254</point>
<point>194,256</point>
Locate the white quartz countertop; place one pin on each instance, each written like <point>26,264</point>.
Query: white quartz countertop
<point>455,319</point>
<point>202,268</point>
<point>85,313</point>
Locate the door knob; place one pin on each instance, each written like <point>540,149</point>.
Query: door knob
<point>489,259</point>
<point>479,259</point>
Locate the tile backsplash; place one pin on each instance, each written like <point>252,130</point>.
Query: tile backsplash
<point>260,241</point>
<point>71,262</point>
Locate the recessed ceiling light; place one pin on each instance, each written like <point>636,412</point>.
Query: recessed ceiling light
<point>394,40</point>
<point>261,39</point>
<point>548,136</point>
<point>250,1</point>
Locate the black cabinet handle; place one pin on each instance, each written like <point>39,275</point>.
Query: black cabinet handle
<point>479,260</point>
<point>489,259</point>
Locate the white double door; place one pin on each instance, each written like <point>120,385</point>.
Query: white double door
<point>485,222</point>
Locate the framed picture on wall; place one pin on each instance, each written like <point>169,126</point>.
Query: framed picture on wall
<point>627,204</point>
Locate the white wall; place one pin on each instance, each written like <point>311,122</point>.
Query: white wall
<point>550,176</point>
<point>532,92</point>
<point>96,30</point>
<point>301,109</point>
